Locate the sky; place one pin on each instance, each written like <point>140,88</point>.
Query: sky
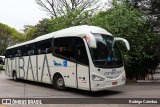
<point>17,13</point>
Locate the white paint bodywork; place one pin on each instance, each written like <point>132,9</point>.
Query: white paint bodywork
<point>72,31</point>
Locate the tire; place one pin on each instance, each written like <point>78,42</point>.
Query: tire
<point>58,82</point>
<point>14,76</point>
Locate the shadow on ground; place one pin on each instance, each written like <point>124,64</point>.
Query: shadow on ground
<point>72,90</point>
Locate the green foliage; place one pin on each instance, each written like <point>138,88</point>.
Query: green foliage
<point>122,20</point>
<point>8,37</point>
<point>127,22</point>
<point>151,8</point>
<point>51,25</point>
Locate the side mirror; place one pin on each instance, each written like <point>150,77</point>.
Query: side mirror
<point>124,40</point>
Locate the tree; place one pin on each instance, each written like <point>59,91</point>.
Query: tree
<point>8,36</point>
<point>122,20</point>
<point>51,25</point>
<point>125,21</point>
<point>31,32</point>
<point>56,8</point>
<point>152,10</point>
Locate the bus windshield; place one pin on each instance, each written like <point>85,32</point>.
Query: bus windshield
<point>106,54</point>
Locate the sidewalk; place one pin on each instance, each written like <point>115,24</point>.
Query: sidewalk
<point>148,80</point>
<point>143,81</point>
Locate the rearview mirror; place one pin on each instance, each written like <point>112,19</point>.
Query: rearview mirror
<point>124,40</point>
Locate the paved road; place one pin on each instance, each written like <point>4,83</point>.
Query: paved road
<point>28,89</point>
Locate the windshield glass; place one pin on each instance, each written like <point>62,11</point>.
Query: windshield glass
<point>106,55</point>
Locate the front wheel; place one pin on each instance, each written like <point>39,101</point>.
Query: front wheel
<point>58,83</point>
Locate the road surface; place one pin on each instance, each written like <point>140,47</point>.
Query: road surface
<point>28,89</point>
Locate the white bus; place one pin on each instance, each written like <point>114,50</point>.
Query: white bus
<point>83,57</point>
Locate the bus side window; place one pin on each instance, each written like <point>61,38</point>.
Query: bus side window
<point>7,53</point>
<point>31,48</point>
<point>12,53</point>
<point>64,47</point>
<point>31,52</point>
<point>19,52</point>
<point>44,47</point>
<point>38,51</point>
<point>81,53</point>
<point>48,50</point>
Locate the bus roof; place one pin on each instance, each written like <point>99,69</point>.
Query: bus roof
<point>71,31</point>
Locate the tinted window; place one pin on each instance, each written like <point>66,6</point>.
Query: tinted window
<point>64,47</point>
<point>24,50</point>
<point>10,53</point>
<point>7,54</point>
<point>18,53</point>
<point>31,49</point>
<point>67,47</point>
<point>43,47</point>
<point>81,53</point>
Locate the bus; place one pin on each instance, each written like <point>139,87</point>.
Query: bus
<point>83,57</point>
<point>2,62</point>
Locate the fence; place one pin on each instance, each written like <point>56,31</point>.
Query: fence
<point>154,76</point>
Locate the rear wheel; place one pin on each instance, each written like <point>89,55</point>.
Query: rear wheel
<point>14,75</point>
<point>58,82</point>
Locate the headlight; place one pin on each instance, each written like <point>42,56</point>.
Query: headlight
<point>97,78</point>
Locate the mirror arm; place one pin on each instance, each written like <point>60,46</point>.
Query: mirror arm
<point>124,40</point>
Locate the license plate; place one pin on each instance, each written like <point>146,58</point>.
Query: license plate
<point>114,83</point>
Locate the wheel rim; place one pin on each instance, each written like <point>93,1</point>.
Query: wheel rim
<point>60,82</point>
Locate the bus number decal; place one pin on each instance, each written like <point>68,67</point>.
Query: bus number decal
<point>56,63</point>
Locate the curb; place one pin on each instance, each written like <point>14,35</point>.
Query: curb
<point>143,81</point>
<point>131,81</point>
<point>148,80</point>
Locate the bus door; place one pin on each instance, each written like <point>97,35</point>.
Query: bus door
<point>82,65</point>
<point>64,60</point>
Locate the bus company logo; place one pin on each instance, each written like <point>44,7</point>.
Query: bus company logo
<point>6,101</point>
<point>57,64</point>
<point>65,63</point>
<point>114,71</point>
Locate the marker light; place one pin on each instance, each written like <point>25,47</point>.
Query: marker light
<point>87,39</point>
